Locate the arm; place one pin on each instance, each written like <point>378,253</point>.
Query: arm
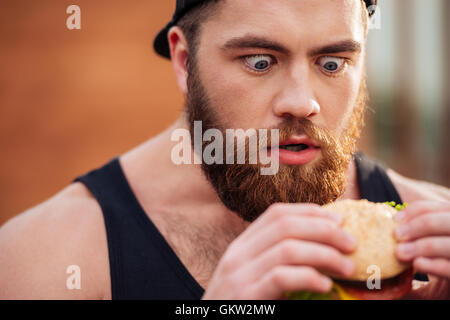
<point>38,246</point>
<point>411,190</point>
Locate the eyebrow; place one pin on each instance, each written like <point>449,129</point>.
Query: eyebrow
<point>342,46</point>
<point>249,41</point>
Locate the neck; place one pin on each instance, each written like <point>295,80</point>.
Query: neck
<point>153,177</point>
<point>352,188</point>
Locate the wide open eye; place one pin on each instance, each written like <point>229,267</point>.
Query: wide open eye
<point>259,63</point>
<point>332,64</point>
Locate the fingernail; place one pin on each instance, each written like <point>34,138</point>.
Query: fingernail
<point>348,267</point>
<point>424,263</point>
<point>336,217</point>
<point>401,232</point>
<point>327,283</point>
<point>406,249</point>
<point>399,216</point>
<point>350,240</point>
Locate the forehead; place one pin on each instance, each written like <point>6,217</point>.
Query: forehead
<point>299,22</point>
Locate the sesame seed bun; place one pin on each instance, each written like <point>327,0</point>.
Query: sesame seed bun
<point>372,225</point>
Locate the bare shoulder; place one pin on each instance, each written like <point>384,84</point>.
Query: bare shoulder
<point>411,190</point>
<point>39,246</point>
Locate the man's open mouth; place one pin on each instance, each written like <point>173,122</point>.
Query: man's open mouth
<point>297,144</point>
<point>295,147</point>
<point>297,150</point>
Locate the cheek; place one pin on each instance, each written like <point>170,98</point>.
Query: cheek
<point>339,102</point>
<point>236,99</point>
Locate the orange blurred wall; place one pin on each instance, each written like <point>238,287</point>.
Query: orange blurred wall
<point>72,99</point>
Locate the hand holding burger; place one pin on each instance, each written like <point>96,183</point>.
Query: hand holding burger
<point>373,226</point>
<point>285,249</point>
<point>423,233</point>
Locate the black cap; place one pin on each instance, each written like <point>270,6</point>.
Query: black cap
<point>161,44</point>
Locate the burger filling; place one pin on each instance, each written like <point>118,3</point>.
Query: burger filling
<point>390,289</point>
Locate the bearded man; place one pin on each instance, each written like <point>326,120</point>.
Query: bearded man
<point>144,227</point>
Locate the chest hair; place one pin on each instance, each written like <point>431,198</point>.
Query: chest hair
<point>198,246</point>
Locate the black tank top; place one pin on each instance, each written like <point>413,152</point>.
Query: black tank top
<point>142,263</point>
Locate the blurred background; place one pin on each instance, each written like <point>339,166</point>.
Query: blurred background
<point>70,100</point>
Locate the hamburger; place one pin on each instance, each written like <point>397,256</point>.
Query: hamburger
<point>373,227</point>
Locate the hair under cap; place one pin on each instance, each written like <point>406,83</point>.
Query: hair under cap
<point>161,44</point>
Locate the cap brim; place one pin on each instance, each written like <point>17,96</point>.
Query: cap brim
<point>161,44</point>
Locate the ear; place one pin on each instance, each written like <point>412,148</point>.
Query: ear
<point>179,52</point>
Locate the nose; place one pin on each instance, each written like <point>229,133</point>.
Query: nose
<point>296,100</point>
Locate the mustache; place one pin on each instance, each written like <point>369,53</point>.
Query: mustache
<point>322,137</point>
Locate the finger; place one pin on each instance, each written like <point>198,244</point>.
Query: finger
<point>297,252</point>
<point>437,267</point>
<point>280,210</point>
<point>290,278</point>
<point>431,247</point>
<point>301,228</point>
<point>418,208</point>
<point>435,224</point>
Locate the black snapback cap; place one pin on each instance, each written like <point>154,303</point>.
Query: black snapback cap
<point>161,44</point>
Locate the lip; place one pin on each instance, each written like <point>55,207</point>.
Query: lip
<point>297,157</point>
